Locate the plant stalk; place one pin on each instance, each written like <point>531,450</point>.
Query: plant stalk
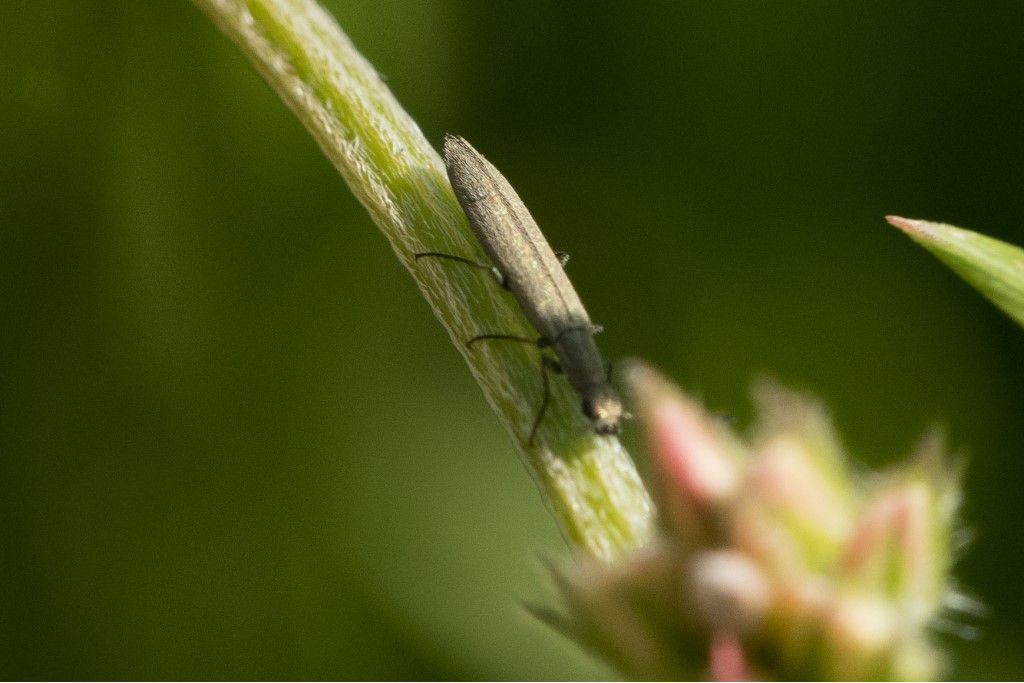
<point>588,482</point>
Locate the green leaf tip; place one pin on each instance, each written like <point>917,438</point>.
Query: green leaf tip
<point>994,268</point>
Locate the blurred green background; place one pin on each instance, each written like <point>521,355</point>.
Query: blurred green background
<point>235,444</point>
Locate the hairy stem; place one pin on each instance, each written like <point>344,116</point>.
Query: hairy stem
<point>588,482</point>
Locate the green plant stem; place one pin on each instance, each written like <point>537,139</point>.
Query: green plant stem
<point>589,482</point>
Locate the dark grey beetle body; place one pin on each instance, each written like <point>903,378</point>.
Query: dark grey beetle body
<point>535,276</point>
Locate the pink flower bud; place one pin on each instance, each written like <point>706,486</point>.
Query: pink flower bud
<point>695,463</point>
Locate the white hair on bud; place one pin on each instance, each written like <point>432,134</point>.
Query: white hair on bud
<point>730,591</point>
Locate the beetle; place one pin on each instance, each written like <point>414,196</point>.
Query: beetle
<point>524,264</point>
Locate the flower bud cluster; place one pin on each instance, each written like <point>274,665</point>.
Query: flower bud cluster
<point>775,557</point>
